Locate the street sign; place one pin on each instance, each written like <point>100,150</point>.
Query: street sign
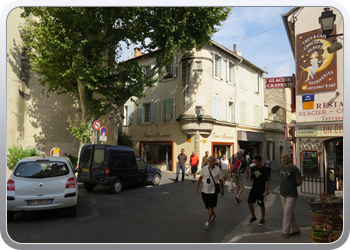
<point>103,131</point>
<point>97,125</point>
<point>103,138</point>
<point>55,152</point>
<point>280,82</point>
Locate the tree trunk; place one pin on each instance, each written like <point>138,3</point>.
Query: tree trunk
<point>113,117</point>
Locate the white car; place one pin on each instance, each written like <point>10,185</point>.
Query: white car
<point>42,183</point>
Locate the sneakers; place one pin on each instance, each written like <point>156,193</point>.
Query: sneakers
<point>206,225</point>
<point>252,220</point>
<point>213,218</point>
<point>261,223</point>
<point>193,180</point>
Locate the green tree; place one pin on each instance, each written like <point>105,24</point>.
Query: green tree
<point>75,49</point>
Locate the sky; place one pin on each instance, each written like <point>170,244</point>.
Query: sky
<point>260,36</point>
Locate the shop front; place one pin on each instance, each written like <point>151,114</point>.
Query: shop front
<point>251,142</point>
<point>158,153</point>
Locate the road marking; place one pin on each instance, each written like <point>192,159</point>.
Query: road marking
<point>94,209</point>
<point>244,227</point>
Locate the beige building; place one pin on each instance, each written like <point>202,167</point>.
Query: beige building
<point>32,116</point>
<point>210,100</point>
<point>318,131</point>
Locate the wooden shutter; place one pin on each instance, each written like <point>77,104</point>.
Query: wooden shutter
<point>222,69</point>
<point>153,111</point>
<point>243,113</point>
<point>129,114</point>
<point>227,71</point>
<point>214,65</point>
<point>139,114</point>
<point>228,112</point>
<point>216,108</point>
<point>256,84</point>
<point>234,74</point>
<point>257,116</point>
<point>234,112</point>
<point>174,66</point>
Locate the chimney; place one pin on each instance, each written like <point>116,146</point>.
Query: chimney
<point>137,52</point>
<point>235,48</point>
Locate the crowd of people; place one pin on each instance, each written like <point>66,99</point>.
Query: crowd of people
<point>215,171</point>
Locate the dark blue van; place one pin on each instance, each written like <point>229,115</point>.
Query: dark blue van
<point>113,166</point>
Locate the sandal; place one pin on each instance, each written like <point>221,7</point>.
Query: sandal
<point>238,200</point>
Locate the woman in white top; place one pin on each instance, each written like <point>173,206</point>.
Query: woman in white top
<point>225,167</point>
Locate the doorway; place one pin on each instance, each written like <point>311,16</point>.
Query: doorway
<point>334,165</point>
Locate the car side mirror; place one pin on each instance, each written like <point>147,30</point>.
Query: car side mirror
<point>78,170</point>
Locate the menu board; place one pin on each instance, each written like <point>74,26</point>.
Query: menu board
<point>310,162</point>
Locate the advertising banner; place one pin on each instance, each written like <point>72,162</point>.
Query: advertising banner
<point>280,82</point>
<point>316,69</point>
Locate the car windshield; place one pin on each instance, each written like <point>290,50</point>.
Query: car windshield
<point>40,169</point>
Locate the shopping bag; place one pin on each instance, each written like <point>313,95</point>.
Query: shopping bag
<point>231,187</point>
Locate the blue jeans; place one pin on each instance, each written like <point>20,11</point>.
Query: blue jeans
<point>178,172</point>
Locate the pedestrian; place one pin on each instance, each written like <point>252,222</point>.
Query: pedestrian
<point>211,174</point>
<point>225,168</point>
<point>182,157</point>
<point>194,160</point>
<point>205,159</point>
<point>260,189</point>
<point>268,165</point>
<point>238,170</point>
<point>217,160</point>
<point>247,158</point>
<point>290,178</point>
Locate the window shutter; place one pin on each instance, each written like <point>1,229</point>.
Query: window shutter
<point>163,110</point>
<point>153,111</point>
<point>243,73</point>
<point>152,66</point>
<point>243,113</point>
<point>169,115</point>
<point>235,112</point>
<point>222,69</point>
<point>234,74</point>
<point>256,83</point>
<point>217,108</point>
<point>214,65</point>
<point>174,66</point>
<point>227,71</point>
<point>139,114</point>
<point>228,111</point>
<point>257,116</point>
<point>129,114</point>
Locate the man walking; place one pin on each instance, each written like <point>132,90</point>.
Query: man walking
<point>205,159</point>
<point>290,179</point>
<point>247,158</point>
<point>181,165</point>
<point>260,189</point>
<point>194,160</point>
<point>211,174</point>
<point>239,167</point>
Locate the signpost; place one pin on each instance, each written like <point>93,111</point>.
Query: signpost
<point>55,152</point>
<point>97,127</point>
<point>104,133</point>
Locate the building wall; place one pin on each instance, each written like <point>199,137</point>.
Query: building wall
<point>32,116</point>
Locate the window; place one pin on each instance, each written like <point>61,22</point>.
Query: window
<point>243,75</point>
<point>35,169</point>
<point>230,111</point>
<point>243,113</point>
<point>170,70</point>
<point>216,65</point>
<point>147,69</point>
<point>229,72</point>
<point>99,155</point>
<point>216,108</point>
<point>127,114</point>
<point>140,163</point>
<point>147,112</point>
<point>198,65</point>
<point>168,110</point>
<point>256,84</point>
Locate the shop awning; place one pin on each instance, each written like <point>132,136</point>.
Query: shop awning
<point>251,136</point>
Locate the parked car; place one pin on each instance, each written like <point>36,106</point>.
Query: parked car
<point>114,166</point>
<point>42,183</point>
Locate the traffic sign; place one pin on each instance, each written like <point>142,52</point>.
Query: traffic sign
<point>103,138</point>
<point>103,131</point>
<point>97,125</point>
<point>56,152</point>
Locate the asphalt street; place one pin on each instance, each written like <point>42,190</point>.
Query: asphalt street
<point>169,213</point>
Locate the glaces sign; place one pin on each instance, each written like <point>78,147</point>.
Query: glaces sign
<point>316,68</point>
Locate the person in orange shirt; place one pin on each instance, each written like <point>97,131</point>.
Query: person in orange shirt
<point>194,160</point>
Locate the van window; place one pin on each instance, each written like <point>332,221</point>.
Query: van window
<point>99,155</point>
<point>86,156</point>
<point>121,160</point>
<point>140,163</point>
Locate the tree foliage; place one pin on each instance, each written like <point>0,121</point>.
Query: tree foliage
<point>74,49</point>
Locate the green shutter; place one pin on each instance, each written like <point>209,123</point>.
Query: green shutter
<point>139,114</point>
<point>169,114</point>
<point>153,111</point>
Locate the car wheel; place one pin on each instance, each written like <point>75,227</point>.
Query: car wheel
<point>156,180</point>
<point>10,215</point>
<point>89,187</point>
<point>117,186</point>
<point>72,211</point>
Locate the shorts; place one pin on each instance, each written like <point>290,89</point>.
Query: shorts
<point>210,200</point>
<point>194,169</point>
<point>239,179</point>
<point>253,197</point>
<point>224,173</point>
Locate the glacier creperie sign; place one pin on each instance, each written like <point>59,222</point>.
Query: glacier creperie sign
<point>280,82</point>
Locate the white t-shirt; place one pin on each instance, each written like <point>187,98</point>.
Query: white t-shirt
<point>247,157</point>
<point>224,165</point>
<point>217,175</point>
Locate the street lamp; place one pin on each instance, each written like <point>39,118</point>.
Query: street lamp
<point>326,20</point>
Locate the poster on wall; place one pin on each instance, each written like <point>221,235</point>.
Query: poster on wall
<point>316,69</point>
<point>310,162</point>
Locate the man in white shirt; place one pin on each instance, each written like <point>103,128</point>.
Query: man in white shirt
<point>247,158</point>
<point>211,174</point>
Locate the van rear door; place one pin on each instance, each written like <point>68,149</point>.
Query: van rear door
<point>85,160</point>
<point>99,163</point>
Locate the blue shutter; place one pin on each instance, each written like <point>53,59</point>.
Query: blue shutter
<point>222,69</point>
<point>129,114</point>
<point>139,114</point>
<point>153,111</point>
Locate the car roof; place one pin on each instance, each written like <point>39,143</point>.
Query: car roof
<point>115,147</point>
<point>50,158</point>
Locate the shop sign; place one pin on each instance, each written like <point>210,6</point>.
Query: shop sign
<point>157,135</point>
<point>309,101</point>
<point>331,130</point>
<point>306,131</point>
<point>310,162</point>
<point>338,193</point>
<point>222,136</point>
<point>280,82</point>
<point>316,68</point>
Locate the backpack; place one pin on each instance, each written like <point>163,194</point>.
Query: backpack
<point>237,164</point>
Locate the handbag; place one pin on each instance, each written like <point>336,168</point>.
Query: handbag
<point>217,185</point>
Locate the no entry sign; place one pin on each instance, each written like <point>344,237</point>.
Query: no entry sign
<point>97,125</point>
